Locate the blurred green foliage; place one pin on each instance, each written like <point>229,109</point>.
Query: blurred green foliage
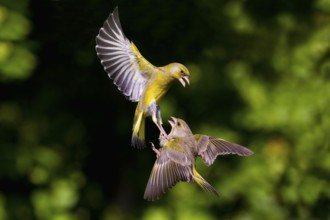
<point>16,60</point>
<point>260,75</point>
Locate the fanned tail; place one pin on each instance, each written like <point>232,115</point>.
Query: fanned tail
<point>138,136</point>
<point>203,184</point>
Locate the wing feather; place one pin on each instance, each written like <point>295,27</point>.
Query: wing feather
<point>209,150</point>
<point>166,173</point>
<point>122,60</point>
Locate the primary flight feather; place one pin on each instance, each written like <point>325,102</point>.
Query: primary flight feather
<point>177,155</point>
<point>135,77</point>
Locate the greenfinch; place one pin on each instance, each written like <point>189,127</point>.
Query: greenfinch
<point>176,158</point>
<point>135,77</point>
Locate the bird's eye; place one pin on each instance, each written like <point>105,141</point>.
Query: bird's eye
<point>179,124</point>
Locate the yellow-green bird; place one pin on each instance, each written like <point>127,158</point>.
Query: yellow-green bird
<point>177,155</point>
<point>135,77</point>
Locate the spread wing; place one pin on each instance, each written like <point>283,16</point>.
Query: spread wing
<point>122,60</point>
<point>210,147</point>
<point>170,167</point>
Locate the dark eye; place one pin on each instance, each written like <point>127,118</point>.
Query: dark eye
<point>182,72</point>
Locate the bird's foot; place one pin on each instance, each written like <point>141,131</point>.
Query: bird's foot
<point>163,134</point>
<point>155,149</point>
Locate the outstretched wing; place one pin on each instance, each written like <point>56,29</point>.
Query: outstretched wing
<point>121,59</point>
<point>170,167</point>
<point>210,147</point>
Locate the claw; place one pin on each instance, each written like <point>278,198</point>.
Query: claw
<point>162,131</point>
<point>155,149</point>
<point>164,135</point>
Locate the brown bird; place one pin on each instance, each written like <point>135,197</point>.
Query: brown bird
<point>177,156</point>
<point>135,77</point>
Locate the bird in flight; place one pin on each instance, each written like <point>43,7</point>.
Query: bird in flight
<point>177,157</point>
<point>135,77</point>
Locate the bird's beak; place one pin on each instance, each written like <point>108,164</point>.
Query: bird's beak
<point>172,122</point>
<point>184,80</point>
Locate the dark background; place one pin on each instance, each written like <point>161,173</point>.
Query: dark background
<point>259,77</point>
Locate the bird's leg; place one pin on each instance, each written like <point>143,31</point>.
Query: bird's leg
<point>162,131</point>
<point>159,122</point>
<point>154,111</point>
<point>155,149</point>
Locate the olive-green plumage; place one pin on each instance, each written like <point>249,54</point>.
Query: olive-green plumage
<point>135,77</point>
<point>177,155</point>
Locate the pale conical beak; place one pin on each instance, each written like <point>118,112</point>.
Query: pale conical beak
<point>172,122</point>
<point>184,80</point>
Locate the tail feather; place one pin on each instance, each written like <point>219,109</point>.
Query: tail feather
<point>203,184</point>
<point>138,136</point>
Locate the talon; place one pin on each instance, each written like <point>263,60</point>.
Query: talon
<point>155,149</point>
<point>164,135</point>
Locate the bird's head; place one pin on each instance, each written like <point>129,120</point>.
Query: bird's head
<point>179,128</point>
<point>180,72</point>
